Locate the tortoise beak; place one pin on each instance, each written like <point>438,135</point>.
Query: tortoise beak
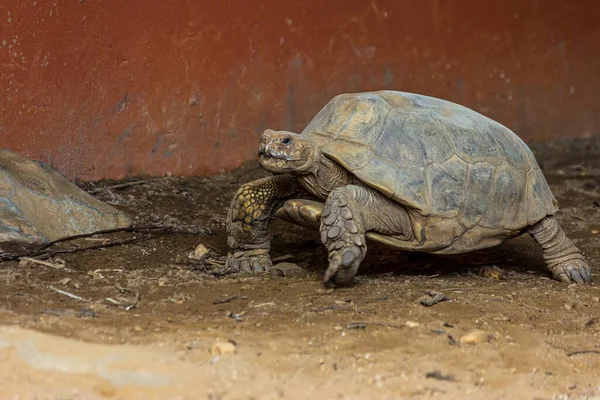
<point>262,150</point>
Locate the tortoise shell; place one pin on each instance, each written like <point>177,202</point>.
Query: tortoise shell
<point>467,181</point>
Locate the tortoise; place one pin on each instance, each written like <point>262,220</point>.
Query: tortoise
<point>414,172</point>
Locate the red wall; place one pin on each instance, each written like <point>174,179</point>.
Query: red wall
<point>111,88</point>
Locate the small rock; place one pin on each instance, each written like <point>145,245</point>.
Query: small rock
<point>491,271</point>
<point>287,269</point>
<point>476,337</point>
<point>200,253</point>
<point>222,348</point>
<point>596,299</point>
<point>431,298</point>
<point>436,374</point>
<point>28,186</point>
<point>568,307</point>
<point>595,231</point>
<point>412,324</point>
<point>356,325</point>
<point>65,281</point>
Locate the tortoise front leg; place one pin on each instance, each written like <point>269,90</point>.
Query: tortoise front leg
<point>251,209</point>
<point>350,213</point>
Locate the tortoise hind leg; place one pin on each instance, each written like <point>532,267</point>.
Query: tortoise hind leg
<point>306,213</point>
<point>562,257</point>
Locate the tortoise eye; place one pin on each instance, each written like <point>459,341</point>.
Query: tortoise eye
<point>286,140</point>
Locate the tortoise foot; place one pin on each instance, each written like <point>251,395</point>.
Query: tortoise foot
<point>563,258</point>
<point>343,265</point>
<point>343,234</point>
<point>572,271</point>
<point>256,260</point>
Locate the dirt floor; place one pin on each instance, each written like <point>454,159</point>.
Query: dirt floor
<point>295,340</point>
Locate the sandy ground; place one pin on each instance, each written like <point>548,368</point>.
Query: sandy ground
<point>292,338</point>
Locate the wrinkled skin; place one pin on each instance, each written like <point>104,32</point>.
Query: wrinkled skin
<point>304,178</point>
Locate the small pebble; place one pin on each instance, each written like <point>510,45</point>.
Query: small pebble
<point>356,325</point>
<point>200,253</point>
<point>595,231</point>
<point>596,299</point>
<point>431,298</point>
<point>287,269</point>
<point>222,348</point>
<point>65,281</point>
<point>491,271</point>
<point>476,337</point>
<point>412,324</point>
<point>568,307</point>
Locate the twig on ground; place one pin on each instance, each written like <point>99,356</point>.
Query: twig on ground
<point>127,184</point>
<point>155,228</point>
<point>44,263</point>
<point>39,252</point>
<point>577,217</point>
<point>214,263</point>
<point>574,353</point>
<point>71,295</point>
<point>95,247</point>
<point>227,299</point>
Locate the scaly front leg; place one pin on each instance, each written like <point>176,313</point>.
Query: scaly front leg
<point>248,235</point>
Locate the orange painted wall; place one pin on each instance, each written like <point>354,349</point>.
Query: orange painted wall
<point>113,88</point>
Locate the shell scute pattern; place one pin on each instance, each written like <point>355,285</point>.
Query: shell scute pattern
<point>435,157</point>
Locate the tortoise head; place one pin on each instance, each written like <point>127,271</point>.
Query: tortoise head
<point>285,152</point>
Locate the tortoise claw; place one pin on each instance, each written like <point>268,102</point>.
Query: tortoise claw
<point>249,261</point>
<point>573,271</point>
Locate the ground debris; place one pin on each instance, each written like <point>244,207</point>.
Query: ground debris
<point>71,295</point>
<point>127,304</point>
<point>237,317</point>
<point>578,352</point>
<point>223,348</point>
<point>491,271</point>
<point>199,254</point>
<point>44,252</point>
<point>83,313</point>
<point>287,269</point>
<point>227,299</point>
<point>476,337</point>
<point>437,374</point>
<point>57,264</point>
<point>356,325</point>
<point>432,297</point>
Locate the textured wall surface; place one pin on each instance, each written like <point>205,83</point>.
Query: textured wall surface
<point>111,88</point>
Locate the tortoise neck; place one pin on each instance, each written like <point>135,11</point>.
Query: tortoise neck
<point>324,175</point>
